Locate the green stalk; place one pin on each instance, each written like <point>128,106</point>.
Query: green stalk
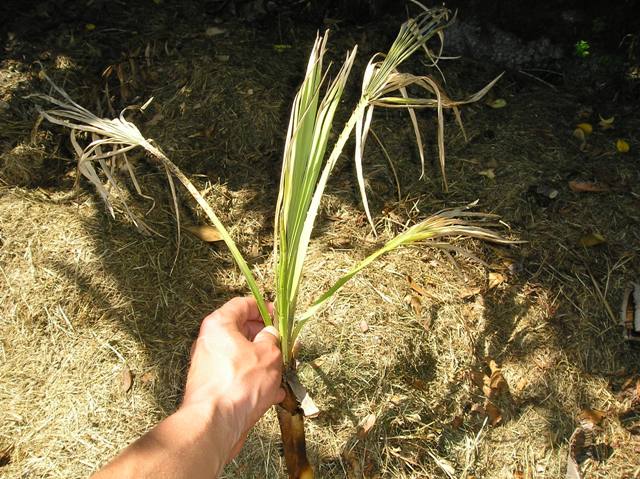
<point>235,252</point>
<point>288,339</point>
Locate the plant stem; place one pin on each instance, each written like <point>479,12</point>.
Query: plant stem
<point>288,331</point>
<point>242,264</point>
<point>291,421</point>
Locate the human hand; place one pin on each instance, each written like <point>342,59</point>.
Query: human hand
<point>236,371</point>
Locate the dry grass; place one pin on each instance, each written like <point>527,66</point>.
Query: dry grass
<point>82,295</point>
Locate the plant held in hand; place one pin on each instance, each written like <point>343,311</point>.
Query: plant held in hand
<point>305,173</point>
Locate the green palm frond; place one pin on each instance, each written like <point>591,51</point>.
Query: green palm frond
<point>301,182</point>
<point>449,223</point>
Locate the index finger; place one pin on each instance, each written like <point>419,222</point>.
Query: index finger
<point>238,313</point>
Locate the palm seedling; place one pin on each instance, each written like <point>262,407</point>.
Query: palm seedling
<point>305,173</point>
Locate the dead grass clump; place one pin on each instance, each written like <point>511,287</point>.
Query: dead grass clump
<point>77,310</point>
<point>23,166</point>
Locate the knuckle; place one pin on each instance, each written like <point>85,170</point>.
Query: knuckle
<point>237,301</point>
<point>209,322</point>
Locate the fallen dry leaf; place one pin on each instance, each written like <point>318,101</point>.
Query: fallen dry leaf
<point>497,382</point>
<point>493,413</point>
<point>591,416</point>
<point>419,384</point>
<point>587,128</point>
<point>148,377</point>
<point>495,279</point>
<point>486,388</point>
<point>622,146</point>
<point>416,287</point>
<point>579,441</point>
<point>580,135</point>
<point>591,240</point>
<point>468,292</point>
<point>340,242</point>
<point>587,186</point>
<point>213,31</point>
<point>207,233</point>
<point>631,312</point>
<point>518,474</point>
<point>416,304</point>
<point>478,409</point>
<point>489,173</point>
<point>366,425</point>
<point>606,123</point>
<point>126,379</point>
<point>456,422</point>
<point>497,103</point>
<point>477,378</point>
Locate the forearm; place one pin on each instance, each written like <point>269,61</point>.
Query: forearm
<point>188,444</point>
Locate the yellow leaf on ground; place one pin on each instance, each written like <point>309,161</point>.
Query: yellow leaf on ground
<point>585,127</point>
<point>622,146</point>
<point>593,239</point>
<point>416,304</point>
<point>207,233</point>
<point>495,279</point>
<point>497,103</point>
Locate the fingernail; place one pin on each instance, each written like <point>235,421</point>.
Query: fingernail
<point>272,330</point>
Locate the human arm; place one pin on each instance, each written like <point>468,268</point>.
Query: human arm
<point>234,377</point>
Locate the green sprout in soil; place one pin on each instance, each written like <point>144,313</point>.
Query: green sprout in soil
<point>306,169</point>
<point>582,49</point>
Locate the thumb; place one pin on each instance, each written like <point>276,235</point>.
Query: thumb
<point>268,334</point>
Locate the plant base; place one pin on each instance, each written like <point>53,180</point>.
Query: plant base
<point>291,420</point>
